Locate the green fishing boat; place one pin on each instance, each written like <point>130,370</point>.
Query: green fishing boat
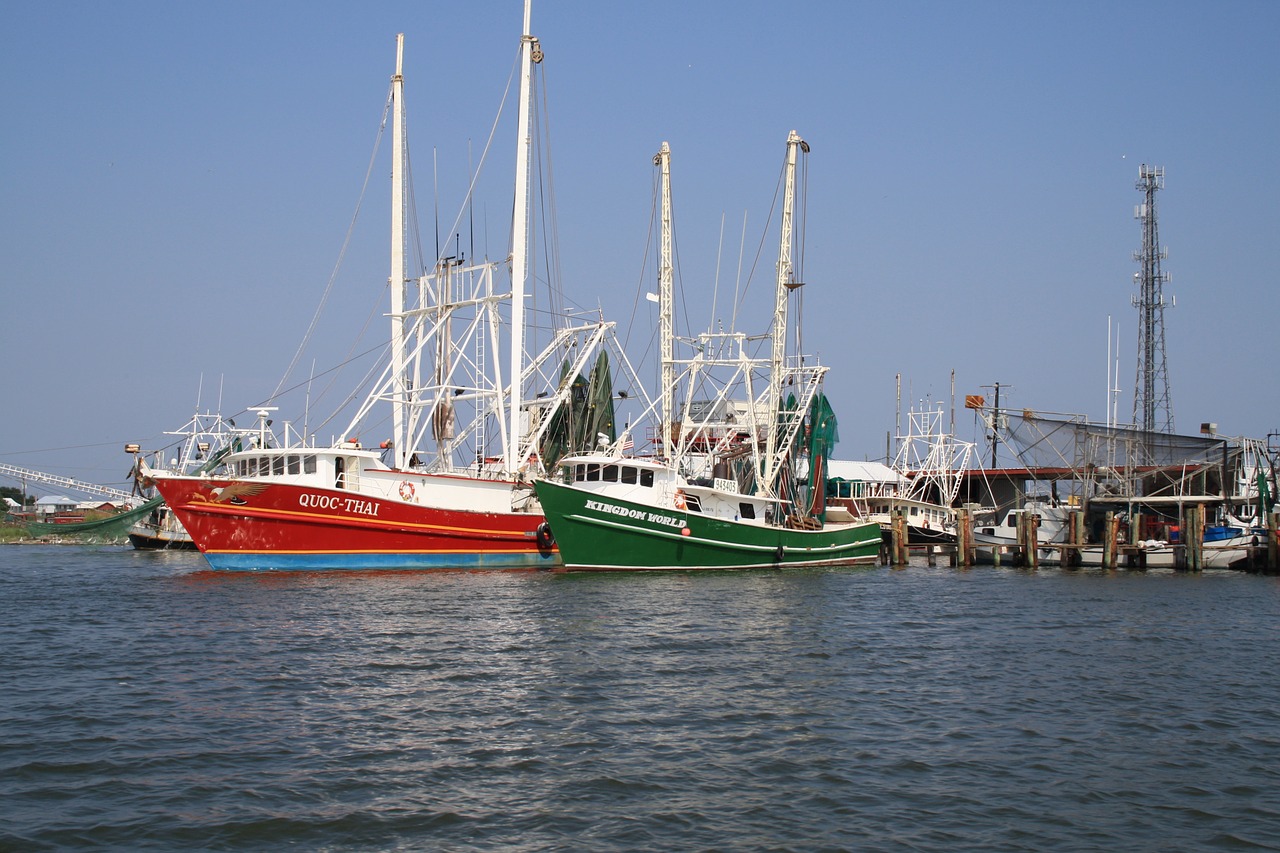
<point>735,477</point>
<point>635,514</point>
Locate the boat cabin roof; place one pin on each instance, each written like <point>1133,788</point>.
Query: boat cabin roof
<point>598,459</point>
<point>660,472</point>
<point>349,450</point>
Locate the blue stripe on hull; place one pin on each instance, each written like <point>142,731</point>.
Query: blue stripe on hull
<point>248,561</point>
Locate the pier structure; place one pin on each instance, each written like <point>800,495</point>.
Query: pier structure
<point>1118,496</point>
<point>1028,552</point>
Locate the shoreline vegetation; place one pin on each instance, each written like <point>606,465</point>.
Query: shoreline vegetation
<point>16,534</point>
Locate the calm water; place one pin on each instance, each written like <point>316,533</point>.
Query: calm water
<point>148,704</point>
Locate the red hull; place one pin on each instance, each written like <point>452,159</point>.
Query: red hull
<point>288,526</point>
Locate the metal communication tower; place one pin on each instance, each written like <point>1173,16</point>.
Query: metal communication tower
<point>1152,410</point>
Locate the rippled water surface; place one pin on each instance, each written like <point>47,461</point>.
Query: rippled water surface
<point>146,703</point>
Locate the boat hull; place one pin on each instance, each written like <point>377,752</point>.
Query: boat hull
<point>153,542</point>
<point>985,548</point>
<point>595,533</point>
<point>1217,552</point>
<point>928,536</point>
<point>919,535</point>
<point>1159,556</point>
<point>290,527</point>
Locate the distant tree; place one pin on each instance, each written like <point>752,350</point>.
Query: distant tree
<point>16,494</point>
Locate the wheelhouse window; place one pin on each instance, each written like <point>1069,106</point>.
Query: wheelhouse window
<point>747,510</point>
<point>646,478</point>
<point>295,464</point>
<point>609,474</point>
<point>277,465</point>
<point>308,464</point>
<point>629,475</point>
<point>593,473</point>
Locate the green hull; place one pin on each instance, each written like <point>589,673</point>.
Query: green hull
<point>112,529</point>
<point>596,533</point>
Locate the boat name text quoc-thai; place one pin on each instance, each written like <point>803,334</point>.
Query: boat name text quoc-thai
<point>351,505</point>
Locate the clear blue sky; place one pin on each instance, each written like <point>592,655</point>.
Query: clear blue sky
<point>178,179</point>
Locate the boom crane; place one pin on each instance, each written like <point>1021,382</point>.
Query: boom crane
<point>65,482</point>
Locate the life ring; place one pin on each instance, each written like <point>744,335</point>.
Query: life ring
<point>679,499</point>
<point>406,490</point>
<point>546,539</point>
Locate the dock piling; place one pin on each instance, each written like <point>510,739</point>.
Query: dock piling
<point>1193,534</point>
<point>1109,536</point>
<point>899,533</point>
<point>1031,545</point>
<point>964,538</point>
<point>1273,547</point>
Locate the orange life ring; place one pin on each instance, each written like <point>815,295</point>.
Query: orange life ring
<point>679,499</point>
<point>406,490</point>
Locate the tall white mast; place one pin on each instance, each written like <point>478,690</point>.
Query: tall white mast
<point>520,235</point>
<point>778,352</point>
<point>400,438</point>
<point>665,301</point>
<point>1110,397</point>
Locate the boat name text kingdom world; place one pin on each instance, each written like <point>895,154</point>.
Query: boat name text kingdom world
<point>652,517</point>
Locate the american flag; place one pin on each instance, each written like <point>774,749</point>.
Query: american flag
<point>627,443</point>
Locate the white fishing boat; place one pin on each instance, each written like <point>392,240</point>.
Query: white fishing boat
<point>931,464</point>
<point>202,443</point>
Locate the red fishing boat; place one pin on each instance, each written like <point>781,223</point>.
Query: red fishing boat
<point>474,418</point>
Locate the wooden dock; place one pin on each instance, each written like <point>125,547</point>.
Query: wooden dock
<point>1261,557</point>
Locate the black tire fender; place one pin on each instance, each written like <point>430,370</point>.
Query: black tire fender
<point>546,539</point>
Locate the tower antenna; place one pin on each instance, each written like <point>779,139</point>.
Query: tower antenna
<point>1152,411</point>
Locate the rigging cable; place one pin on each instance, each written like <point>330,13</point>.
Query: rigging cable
<point>346,242</point>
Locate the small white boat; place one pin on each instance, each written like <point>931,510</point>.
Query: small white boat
<point>1156,554</point>
<point>1224,547</point>
<point>1002,531</point>
<point>204,440</point>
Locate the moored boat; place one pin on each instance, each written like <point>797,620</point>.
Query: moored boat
<point>723,489</point>
<point>932,464</point>
<point>1224,546</point>
<point>450,489</point>
<point>1001,530</point>
<point>343,508</point>
<point>631,514</point>
<point>160,530</point>
<point>204,441</point>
